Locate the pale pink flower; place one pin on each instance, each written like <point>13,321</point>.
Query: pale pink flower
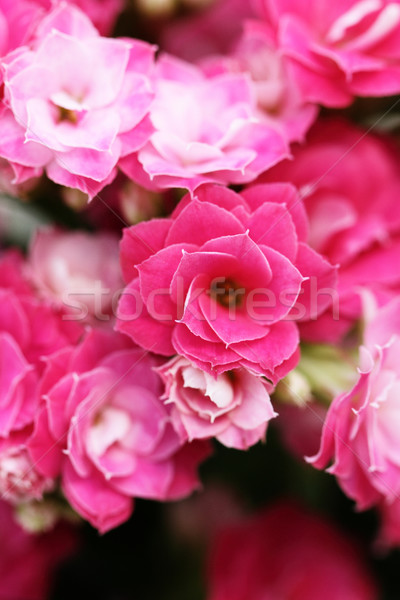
<point>349,181</point>
<point>338,50</point>
<point>223,281</point>
<point>77,271</point>
<point>285,552</point>
<point>234,407</point>
<point>360,433</point>
<point>76,102</point>
<point>278,98</point>
<point>106,432</point>
<point>206,130</point>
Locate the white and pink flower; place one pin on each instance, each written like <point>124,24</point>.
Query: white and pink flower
<point>234,407</point>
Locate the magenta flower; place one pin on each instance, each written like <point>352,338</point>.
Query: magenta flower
<point>105,431</point>
<point>350,184</point>
<point>338,50</point>
<point>223,281</point>
<point>307,558</point>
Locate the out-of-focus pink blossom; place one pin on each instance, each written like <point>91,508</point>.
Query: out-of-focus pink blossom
<point>76,102</point>
<point>234,407</point>
<point>349,181</point>
<point>287,553</point>
<point>278,98</point>
<point>28,562</point>
<point>338,50</point>
<point>360,434</point>
<point>223,281</point>
<point>18,21</point>
<point>206,130</point>
<point>105,431</point>
<point>78,271</point>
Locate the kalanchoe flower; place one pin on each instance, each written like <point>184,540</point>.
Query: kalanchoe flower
<point>278,99</point>
<point>360,433</point>
<point>338,50</point>
<point>306,557</point>
<point>76,102</point>
<point>206,130</point>
<point>349,180</point>
<point>19,479</point>
<point>223,281</point>
<point>106,432</point>
<point>30,329</point>
<point>77,271</point>
<point>234,407</point>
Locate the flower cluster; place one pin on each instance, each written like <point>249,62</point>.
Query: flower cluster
<point>243,258</point>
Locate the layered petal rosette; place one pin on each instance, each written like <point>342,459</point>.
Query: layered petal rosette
<point>233,407</point>
<point>360,434</point>
<point>338,50</point>
<point>76,102</point>
<point>224,280</point>
<point>206,130</point>
<point>105,431</point>
<point>349,180</point>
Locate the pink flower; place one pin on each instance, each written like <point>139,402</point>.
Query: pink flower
<point>360,433</point>
<point>338,50</point>
<point>234,407</point>
<point>75,127</point>
<point>28,562</point>
<point>77,271</point>
<point>29,330</point>
<point>105,431</point>
<point>286,553</point>
<point>206,130</point>
<point>216,284</point>
<point>350,184</point>
<point>278,98</point>
<point>19,479</point>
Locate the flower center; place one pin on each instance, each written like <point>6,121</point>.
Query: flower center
<point>227,293</point>
<point>66,114</point>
